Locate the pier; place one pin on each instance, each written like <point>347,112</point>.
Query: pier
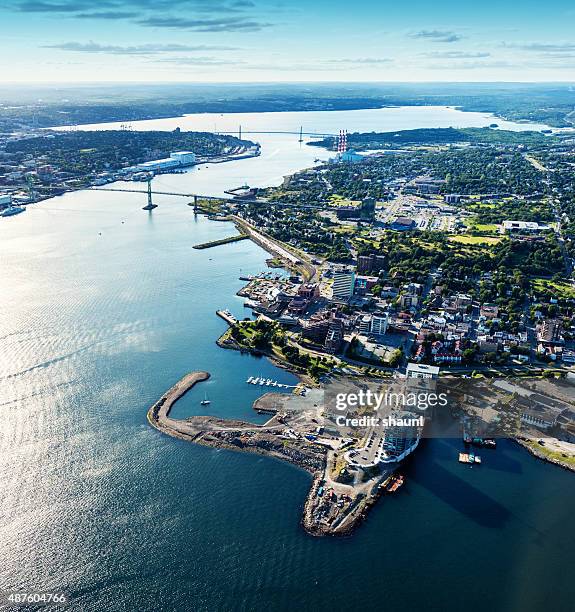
<point>214,243</point>
<point>227,316</point>
<point>267,382</point>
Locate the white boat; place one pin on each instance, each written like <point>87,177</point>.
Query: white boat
<point>205,401</point>
<point>250,379</point>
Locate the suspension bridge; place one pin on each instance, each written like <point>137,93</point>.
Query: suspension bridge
<point>195,197</point>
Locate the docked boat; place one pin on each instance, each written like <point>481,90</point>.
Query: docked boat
<point>12,210</point>
<point>469,458</point>
<point>393,483</point>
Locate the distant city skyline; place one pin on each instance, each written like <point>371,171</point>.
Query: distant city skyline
<point>271,40</point>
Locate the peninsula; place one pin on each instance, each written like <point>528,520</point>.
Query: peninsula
<point>338,499</point>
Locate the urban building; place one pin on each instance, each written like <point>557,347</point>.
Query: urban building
<point>402,224</point>
<point>420,370</point>
<point>308,291</point>
<point>379,324</point>
<point>316,327</point>
<point>5,200</point>
<point>364,325</point>
<point>334,338</point>
<point>367,209</point>
<point>550,332</point>
<point>365,264</point>
<point>343,285</point>
<point>523,227</point>
<point>399,439</point>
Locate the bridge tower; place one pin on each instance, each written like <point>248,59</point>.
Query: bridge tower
<point>301,134</point>
<point>240,133</point>
<point>150,205</point>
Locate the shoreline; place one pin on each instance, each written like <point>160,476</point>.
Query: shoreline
<point>539,453</point>
<point>61,191</point>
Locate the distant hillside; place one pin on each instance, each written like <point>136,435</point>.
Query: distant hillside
<point>380,140</point>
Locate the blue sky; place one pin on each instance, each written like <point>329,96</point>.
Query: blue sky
<point>286,40</point>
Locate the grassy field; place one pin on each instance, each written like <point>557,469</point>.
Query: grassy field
<point>337,200</point>
<point>466,239</point>
<point>487,228</point>
<point>560,289</point>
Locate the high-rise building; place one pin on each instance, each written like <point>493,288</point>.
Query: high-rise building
<point>379,324</point>
<point>364,324</point>
<point>343,284</point>
<point>367,212</point>
<point>365,264</point>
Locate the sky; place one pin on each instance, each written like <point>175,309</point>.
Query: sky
<point>286,40</point>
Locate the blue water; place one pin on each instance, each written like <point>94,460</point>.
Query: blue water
<point>103,308</point>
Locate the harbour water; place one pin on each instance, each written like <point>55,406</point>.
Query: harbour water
<point>103,308</point>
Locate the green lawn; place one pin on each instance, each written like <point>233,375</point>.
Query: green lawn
<point>466,239</point>
<point>560,289</point>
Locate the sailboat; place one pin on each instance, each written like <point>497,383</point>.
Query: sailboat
<point>205,401</point>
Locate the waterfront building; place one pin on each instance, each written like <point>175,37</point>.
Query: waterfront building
<point>343,285</point>
<point>178,159</point>
<point>351,156</point>
<point>539,417</point>
<point>400,440</point>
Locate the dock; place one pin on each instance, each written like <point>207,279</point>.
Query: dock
<point>267,382</point>
<point>227,316</point>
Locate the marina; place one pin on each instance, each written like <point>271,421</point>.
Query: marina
<point>267,382</point>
